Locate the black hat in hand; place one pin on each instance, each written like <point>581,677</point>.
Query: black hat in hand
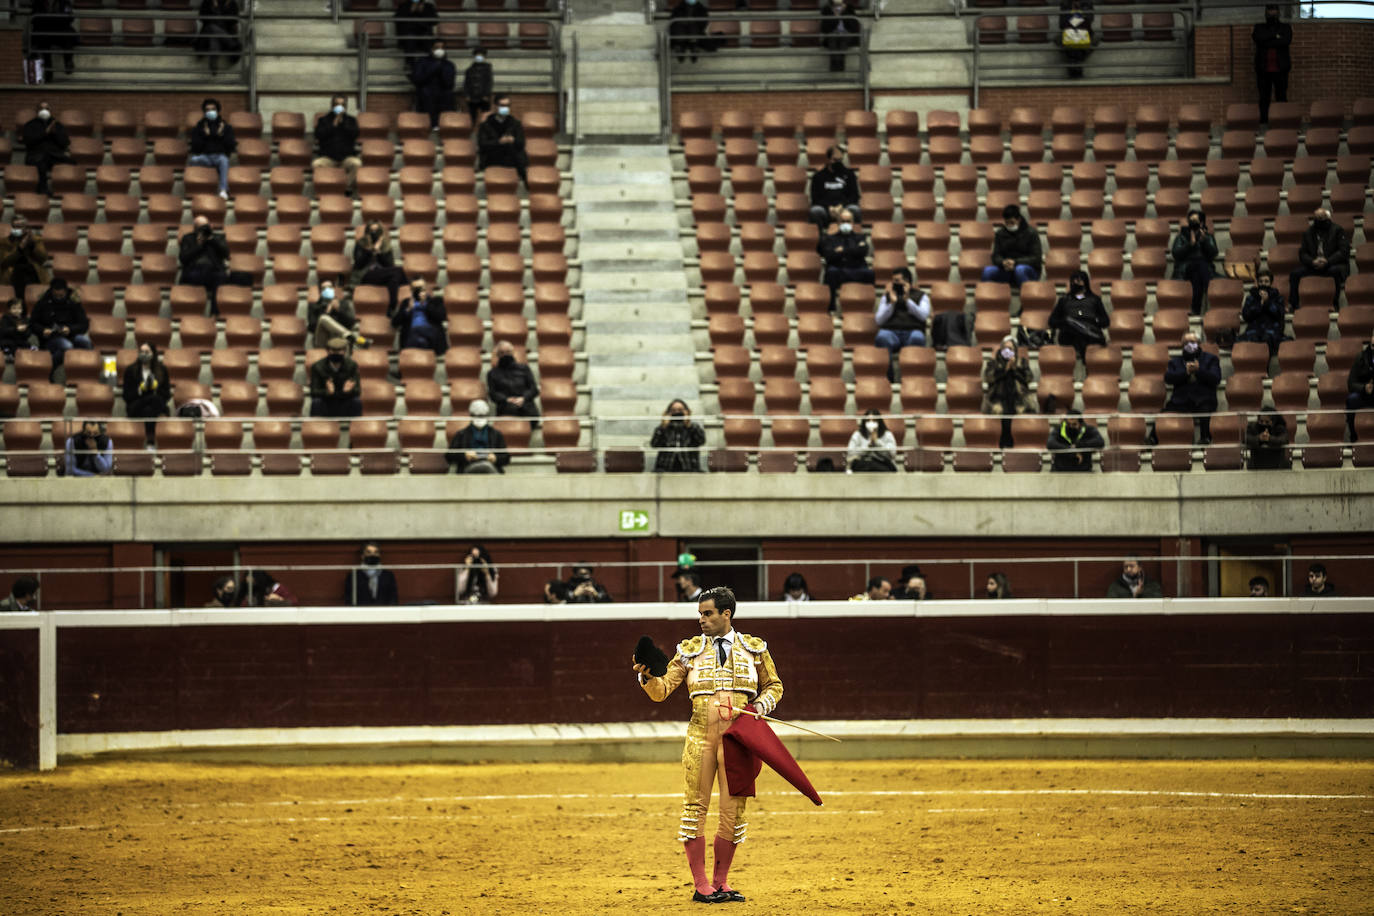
<point>651,657</point>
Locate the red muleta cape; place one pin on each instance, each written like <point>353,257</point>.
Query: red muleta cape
<point>749,744</point>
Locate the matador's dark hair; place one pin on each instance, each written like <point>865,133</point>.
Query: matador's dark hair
<point>722,596</point>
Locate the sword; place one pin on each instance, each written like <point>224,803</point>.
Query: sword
<point>759,715</point>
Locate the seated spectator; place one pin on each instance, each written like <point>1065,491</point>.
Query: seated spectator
<point>555,592</point>
<point>1194,376</point>
<point>998,587</point>
<point>434,77</point>
<point>374,264</point>
<point>328,316</point>
<point>501,139</point>
<point>15,332</point>
<point>23,595</point>
<point>1073,442</point>
<point>1318,585</point>
<point>477,85</point>
<point>1263,313</point>
<point>1360,385</point>
<point>1007,381</point>
<point>224,593</point>
<point>23,257</point>
<point>53,28</point>
<point>511,385</point>
<point>60,322</point>
<point>1133,583</point>
<point>902,314</point>
<point>479,447</point>
<point>88,453</point>
<point>687,584</point>
<point>1079,316</point>
<point>478,580</point>
<point>336,140</point>
<point>879,589</point>
<point>687,29</point>
<point>147,390</point>
<point>212,141</point>
<point>678,438</point>
<point>422,320</point>
<point>834,188</point>
<point>584,589</point>
<point>872,446</point>
<point>1266,437</point>
<point>1194,252</point>
<point>1076,33</point>
<point>415,23</point>
<point>840,26</point>
<point>845,253</point>
<point>794,590</point>
<point>370,585</point>
<point>1016,256</point>
<point>1259,587</point>
<point>45,144</point>
<point>913,584</point>
<point>335,383</point>
<point>260,589</point>
<point>204,260</point>
<point>219,34</point>
<point>1324,252</point>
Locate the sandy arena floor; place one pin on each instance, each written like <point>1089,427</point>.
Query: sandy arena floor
<point>950,837</point>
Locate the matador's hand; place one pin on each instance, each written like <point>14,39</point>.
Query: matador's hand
<point>642,670</point>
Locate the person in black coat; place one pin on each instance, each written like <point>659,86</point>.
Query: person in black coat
<point>687,30</point>
<point>834,187</point>
<point>1194,375</point>
<point>679,439</point>
<point>840,26</point>
<point>1272,62</point>
<point>477,85</point>
<point>60,322</point>
<point>421,320</point>
<point>147,390</point>
<point>1359,384</point>
<point>479,447</point>
<point>511,385</point>
<point>371,586</point>
<point>375,265</point>
<point>845,253</point>
<point>53,28</point>
<point>433,78</point>
<point>1079,316</point>
<point>15,330</point>
<point>1324,252</point>
<point>501,139</point>
<point>213,142</point>
<point>45,144</point>
<point>1263,312</point>
<point>1016,252</point>
<point>336,140</point>
<point>1073,442</point>
<point>204,258</point>
<point>415,22</point>
<point>219,33</point>
<point>1266,437</point>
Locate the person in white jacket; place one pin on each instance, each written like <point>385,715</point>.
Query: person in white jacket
<point>872,446</point>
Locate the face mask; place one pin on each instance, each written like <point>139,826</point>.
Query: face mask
<point>871,426</point>
<point>44,114</point>
<point>1321,225</point>
<point>211,115</point>
<point>836,165</point>
<point>477,59</point>
<point>846,228</point>
<point>1008,353</point>
<point>1190,348</point>
<point>438,52</point>
<point>327,293</point>
<point>479,422</point>
<point>506,361</point>
<point>145,358</point>
<point>338,109</point>
<point>503,110</point>
<point>336,358</point>
<point>372,561</point>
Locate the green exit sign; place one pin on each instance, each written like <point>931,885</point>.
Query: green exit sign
<point>634,520</point>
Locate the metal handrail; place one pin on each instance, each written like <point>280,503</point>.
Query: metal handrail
<point>576,85</point>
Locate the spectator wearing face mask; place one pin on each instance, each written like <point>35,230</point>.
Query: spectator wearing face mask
<point>330,315</point>
<point>1079,316</point>
<point>834,187</point>
<point>678,439</point>
<point>434,77</point>
<point>88,452</point>
<point>840,28</point>
<point>370,585</point>
<point>421,320</point>
<point>1072,443</point>
<point>1194,375</point>
<point>415,23</point>
<point>1133,583</point>
<point>225,593</point>
<point>1324,252</point>
<point>213,142</point>
<point>687,29</point>
<point>478,579</point>
<point>1272,38</point>
<point>60,322</point>
<point>16,333</point>
<point>1016,253</point>
<point>479,447</point>
<point>511,385</point>
<point>1266,438</point>
<point>45,144</point>
<point>872,447</point>
<point>845,253</point>
<point>901,316</point>
<point>1264,312</point>
<point>501,140</point>
<point>1359,384</point>
<point>335,385</point>
<point>336,141</point>
<point>204,259</point>
<point>1007,381</point>
<point>147,390</point>
<point>1194,252</point>
<point>219,33</point>
<point>23,257</point>
<point>374,264</point>
<point>477,85</point>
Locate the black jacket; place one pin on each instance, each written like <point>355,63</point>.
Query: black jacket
<point>1196,393</point>
<point>1021,246</point>
<point>437,314</point>
<point>1271,455</point>
<point>689,19</point>
<point>157,389</point>
<point>829,188</point>
<point>477,82</point>
<point>1263,319</point>
<point>213,138</point>
<point>1361,371</point>
<point>678,434</point>
<point>415,22</point>
<point>1067,447</point>
<point>1332,244</point>
<point>11,338</point>
<point>1185,250</point>
<point>45,138</point>
<point>365,258</point>
<point>840,249</point>
<point>1276,38</point>
<point>830,20</point>
<point>514,382</point>
<point>433,78</point>
<point>358,591</point>
<point>212,252</point>
<point>336,136</point>
<point>323,371</point>
<point>462,443</point>
<point>1089,310</point>
<point>49,313</point>
<point>490,149</point>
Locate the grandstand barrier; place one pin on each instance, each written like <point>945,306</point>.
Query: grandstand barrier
<point>157,680</point>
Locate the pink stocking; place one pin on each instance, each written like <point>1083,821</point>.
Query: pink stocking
<point>696,860</point>
<point>724,854</point>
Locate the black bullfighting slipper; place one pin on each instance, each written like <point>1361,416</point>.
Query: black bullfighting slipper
<point>714,897</point>
<point>730,896</point>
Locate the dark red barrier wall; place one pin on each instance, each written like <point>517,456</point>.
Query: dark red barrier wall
<point>251,676</point>
<point>19,698</point>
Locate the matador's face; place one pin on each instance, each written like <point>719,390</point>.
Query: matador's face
<point>713,622</point>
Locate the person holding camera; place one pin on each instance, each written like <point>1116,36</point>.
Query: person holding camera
<point>204,259</point>
<point>872,446</point>
<point>1266,438</point>
<point>584,589</point>
<point>1079,316</point>
<point>147,390</point>
<point>1263,313</point>
<point>1133,583</point>
<point>89,452</point>
<point>213,142</point>
<point>422,321</point>
<point>678,438</point>
<point>478,580</point>
<point>1194,375</point>
<point>60,322</point>
<point>374,264</point>
<point>23,257</point>
<point>901,317</point>
<point>1195,251</point>
<point>845,253</point>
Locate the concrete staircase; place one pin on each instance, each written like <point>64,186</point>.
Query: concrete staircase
<point>617,74</point>
<point>308,80</point>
